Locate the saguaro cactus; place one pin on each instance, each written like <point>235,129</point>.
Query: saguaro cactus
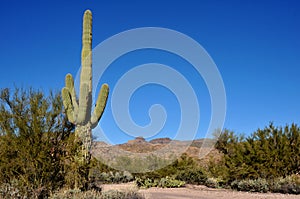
<point>79,111</point>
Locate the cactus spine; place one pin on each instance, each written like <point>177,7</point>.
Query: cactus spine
<point>79,111</point>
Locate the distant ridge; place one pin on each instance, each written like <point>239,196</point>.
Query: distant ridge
<point>160,141</point>
<point>140,146</point>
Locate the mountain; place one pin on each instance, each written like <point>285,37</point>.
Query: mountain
<point>141,150</point>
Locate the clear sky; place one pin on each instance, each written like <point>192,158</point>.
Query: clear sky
<point>255,45</point>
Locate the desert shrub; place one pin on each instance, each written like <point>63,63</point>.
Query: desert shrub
<point>289,184</point>
<point>268,153</point>
<point>111,176</point>
<point>180,164</point>
<point>143,164</point>
<point>166,182</point>
<point>214,182</point>
<point>115,194</point>
<point>8,190</point>
<point>184,169</point>
<point>219,170</point>
<point>34,136</point>
<point>146,182</point>
<point>121,177</point>
<point>76,193</point>
<point>257,185</point>
<point>192,176</point>
<point>92,194</point>
<point>225,140</point>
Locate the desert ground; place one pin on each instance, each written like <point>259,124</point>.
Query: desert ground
<point>196,191</point>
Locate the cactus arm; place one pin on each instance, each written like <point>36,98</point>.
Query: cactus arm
<point>68,104</point>
<point>70,85</point>
<point>100,105</point>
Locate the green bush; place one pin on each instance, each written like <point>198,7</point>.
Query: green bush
<point>92,194</point>
<point>192,176</point>
<point>289,184</point>
<point>257,185</point>
<point>219,169</point>
<point>185,169</point>
<point>115,194</point>
<point>268,153</point>
<point>146,182</point>
<point>8,190</point>
<point>214,182</point>
<point>166,182</point>
<point>71,194</point>
<point>135,164</point>
<point>111,176</point>
<point>34,141</point>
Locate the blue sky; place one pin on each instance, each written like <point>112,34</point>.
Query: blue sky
<point>255,45</point>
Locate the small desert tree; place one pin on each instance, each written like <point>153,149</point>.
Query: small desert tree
<point>268,153</point>
<point>34,138</point>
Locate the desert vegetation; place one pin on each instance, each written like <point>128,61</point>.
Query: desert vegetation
<point>266,161</point>
<point>38,149</point>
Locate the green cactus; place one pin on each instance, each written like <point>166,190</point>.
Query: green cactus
<point>79,111</point>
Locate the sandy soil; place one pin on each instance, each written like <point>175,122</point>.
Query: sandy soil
<point>192,191</point>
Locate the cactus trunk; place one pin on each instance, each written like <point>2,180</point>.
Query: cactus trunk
<point>84,135</point>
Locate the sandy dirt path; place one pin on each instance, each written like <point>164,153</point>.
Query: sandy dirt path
<point>199,192</point>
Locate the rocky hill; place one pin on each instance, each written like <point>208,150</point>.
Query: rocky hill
<point>165,149</point>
